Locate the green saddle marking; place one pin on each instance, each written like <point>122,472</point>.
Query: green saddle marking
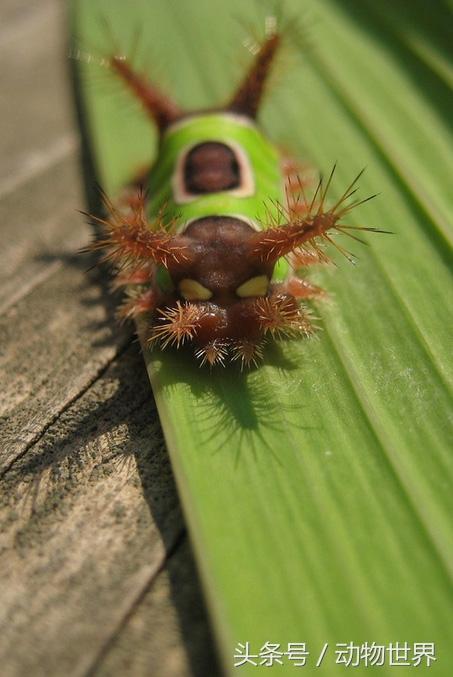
<point>263,158</point>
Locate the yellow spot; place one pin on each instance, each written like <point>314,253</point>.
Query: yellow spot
<point>192,290</point>
<point>256,286</point>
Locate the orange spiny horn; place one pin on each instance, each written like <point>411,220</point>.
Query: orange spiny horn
<point>158,105</point>
<point>126,245</point>
<point>272,243</point>
<point>129,238</point>
<point>248,96</point>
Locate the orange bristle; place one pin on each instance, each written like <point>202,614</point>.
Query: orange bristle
<point>133,276</point>
<point>304,257</point>
<point>303,289</point>
<point>137,305</point>
<point>213,353</point>
<point>280,315</point>
<point>248,352</point>
<point>178,324</point>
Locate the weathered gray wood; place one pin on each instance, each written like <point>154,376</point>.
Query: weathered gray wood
<point>39,225</point>
<point>90,514</point>
<point>34,106</point>
<point>97,576</point>
<point>140,652</point>
<point>56,342</point>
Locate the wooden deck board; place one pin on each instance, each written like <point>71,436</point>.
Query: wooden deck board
<point>98,577</point>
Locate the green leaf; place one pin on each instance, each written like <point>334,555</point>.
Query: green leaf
<point>317,489</point>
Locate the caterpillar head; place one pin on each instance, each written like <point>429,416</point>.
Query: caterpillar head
<point>224,300</point>
<point>222,296</point>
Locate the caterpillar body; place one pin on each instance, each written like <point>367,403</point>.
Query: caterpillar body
<point>212,240</point>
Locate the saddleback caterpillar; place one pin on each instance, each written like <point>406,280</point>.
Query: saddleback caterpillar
<point>211,242</point>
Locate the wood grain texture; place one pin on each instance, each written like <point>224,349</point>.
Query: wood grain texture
<point>97,573</point>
